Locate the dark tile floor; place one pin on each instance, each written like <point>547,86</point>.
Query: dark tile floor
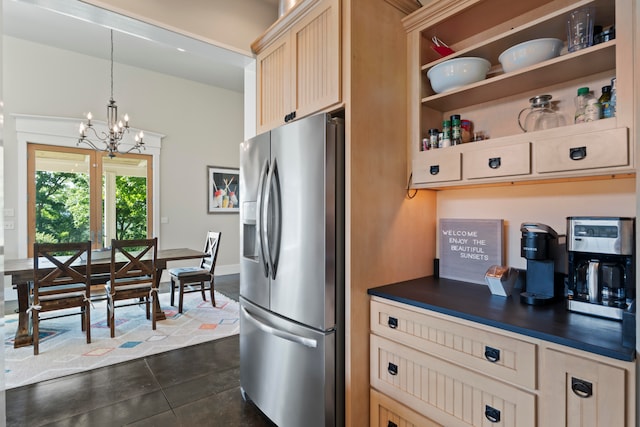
<point>193,386</point>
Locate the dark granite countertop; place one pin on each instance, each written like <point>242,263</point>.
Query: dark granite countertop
<point>475,302</point>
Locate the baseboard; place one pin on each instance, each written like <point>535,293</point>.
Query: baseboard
<point>223,270</point>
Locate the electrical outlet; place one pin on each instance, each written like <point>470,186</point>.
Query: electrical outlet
<point>8,212</point>
<point>9,225</point>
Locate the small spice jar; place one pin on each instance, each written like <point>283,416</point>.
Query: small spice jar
<point>467,130</point>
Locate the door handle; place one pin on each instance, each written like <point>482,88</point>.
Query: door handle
<point>273,252</point>
<point>581,388</point>
<point>307,342</point>
<point>434,169</point>
<point>495,162</point>
<point>261,241</point>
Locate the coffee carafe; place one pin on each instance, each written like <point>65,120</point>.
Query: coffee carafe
<point>601,279</point>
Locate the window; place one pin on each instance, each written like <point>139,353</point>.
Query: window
<point>78,194</point>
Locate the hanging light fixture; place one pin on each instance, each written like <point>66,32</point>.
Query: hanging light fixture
<point>110,142</point>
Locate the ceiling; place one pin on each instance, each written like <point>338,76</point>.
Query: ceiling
<point>83,28</point>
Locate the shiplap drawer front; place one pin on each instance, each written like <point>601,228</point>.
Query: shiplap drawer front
<point>386,412</point>
<point>444,392</point>
<point>593,150</point>
<point>493,354</point>
<point>508,160</point>
<point>437,166</point>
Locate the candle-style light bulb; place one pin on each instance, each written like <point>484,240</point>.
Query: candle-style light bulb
<point>81,128</point>
<point>126,120</point>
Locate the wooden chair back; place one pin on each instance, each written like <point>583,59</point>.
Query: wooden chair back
<point>211,246</point>
<point>60,268</point>
<point>133,261</point>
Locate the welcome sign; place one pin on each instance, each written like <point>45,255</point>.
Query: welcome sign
<point>468,247</point>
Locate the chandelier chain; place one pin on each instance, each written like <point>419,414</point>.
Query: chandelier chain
<point>116,129</point>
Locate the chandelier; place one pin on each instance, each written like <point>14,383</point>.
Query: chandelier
<point>109,142</point>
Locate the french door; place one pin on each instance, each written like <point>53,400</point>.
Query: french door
<point>77,194</point>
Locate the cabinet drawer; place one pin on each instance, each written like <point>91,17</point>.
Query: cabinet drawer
<point>599,398</point>
<point>386,412</point>
<point>586,151</point>
<point>493,354</point>
<point>437,166</point>
<point>497,161</point>
<point>444,392</point>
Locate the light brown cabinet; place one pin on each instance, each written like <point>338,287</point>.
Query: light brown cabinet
<point>298,64</point>
<point>460,373</point>
<point>582,392</point>
<point>485,29</point>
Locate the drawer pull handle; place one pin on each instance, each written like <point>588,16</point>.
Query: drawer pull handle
<point>581,388</point>
<point>434,169</point>
<point>578,153</point>
<point>392,369</point>
<point>491,354</point>
<point>393,323</point>
<point>494,162</point>
<point>492,414</point>
<point>392,424</point>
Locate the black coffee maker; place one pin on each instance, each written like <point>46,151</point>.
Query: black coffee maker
<point>601,279</point>
<point>539,245</point>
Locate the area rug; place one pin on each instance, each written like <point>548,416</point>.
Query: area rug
<point>64,350</point>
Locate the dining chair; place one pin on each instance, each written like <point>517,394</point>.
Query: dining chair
<point>61,282</point>
<point>187,277</point>
<point>132,276</point>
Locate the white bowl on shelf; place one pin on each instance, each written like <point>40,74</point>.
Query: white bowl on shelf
<point>529,53</point>
<point>457,72</point>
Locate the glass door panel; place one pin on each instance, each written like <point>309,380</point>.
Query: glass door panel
<point>124,198</point>
<point>62,197</point>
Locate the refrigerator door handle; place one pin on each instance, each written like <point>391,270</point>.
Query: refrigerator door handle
<point>307,342</point>
<point>261,240</point>
<point>273,253</point>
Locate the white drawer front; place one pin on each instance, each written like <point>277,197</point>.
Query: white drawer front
<point>386,412</point>
<point>493,354</point>
<point>444,392</point>
<point>492,162</point>
<point>437,166</point>
<point>593,150</point>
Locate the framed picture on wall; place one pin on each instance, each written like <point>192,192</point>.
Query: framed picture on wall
<point>223,189</point>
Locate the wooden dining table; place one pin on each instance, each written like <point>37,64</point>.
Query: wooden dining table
<point>21,272</point>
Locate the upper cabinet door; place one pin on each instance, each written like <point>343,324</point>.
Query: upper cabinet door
<point>298,64</point>
<point>316,47</point>
<point>274,84</point>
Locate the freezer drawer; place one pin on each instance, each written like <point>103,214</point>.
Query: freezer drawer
<point>286,369</point>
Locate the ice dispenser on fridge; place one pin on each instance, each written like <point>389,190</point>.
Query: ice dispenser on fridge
<point>601,278</point>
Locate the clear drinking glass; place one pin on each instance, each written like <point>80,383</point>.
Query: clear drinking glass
<point>580,28</point>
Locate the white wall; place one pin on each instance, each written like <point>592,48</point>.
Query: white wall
<point>203,126</point>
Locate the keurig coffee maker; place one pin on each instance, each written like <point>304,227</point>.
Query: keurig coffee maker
<point>601,278</point>
<point>539,246</point>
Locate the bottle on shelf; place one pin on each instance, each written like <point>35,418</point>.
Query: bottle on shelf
<point>613,100</point>
<point>593,110</point>
<point>582,101</point>
<point>446,133</point>
<point>456,130</point>
<point>605,102</point>
<point>433,138</point>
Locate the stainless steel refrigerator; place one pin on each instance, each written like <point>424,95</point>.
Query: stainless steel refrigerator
<point>292,272</point>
